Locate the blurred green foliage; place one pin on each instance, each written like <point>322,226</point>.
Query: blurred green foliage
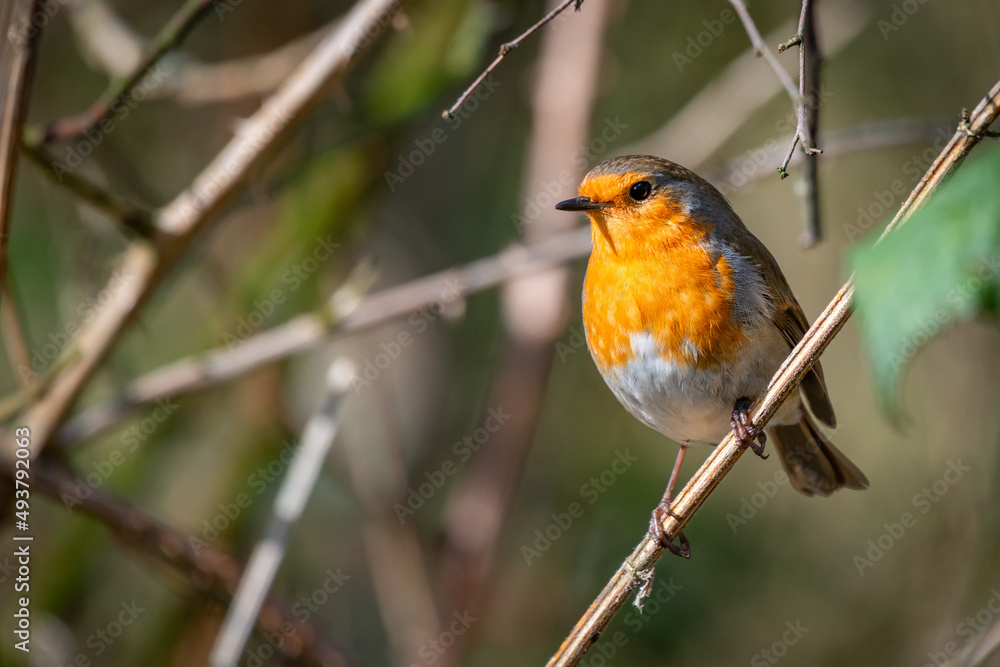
<point>942,267</point>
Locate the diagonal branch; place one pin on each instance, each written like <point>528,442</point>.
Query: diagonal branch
<point>635,570</point>
<point>176,29</point>
<point>144,265</point>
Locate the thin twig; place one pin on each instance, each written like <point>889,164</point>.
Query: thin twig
<point>507,48</point>
<point>222,364</point>
<point>810,61</point>
<point>204,569</point>
<point>760,46</point>
<point>19,59</point>
<point>171,34</point>
<point>806,96</point>
<point>287,509</point>
<point>635,568</point>
<point>195,208</point>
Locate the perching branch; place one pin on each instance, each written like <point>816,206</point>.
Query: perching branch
<point>635,570</point>
<point>507,48</point>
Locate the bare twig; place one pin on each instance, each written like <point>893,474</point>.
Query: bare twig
<point>223,364</point>
<point>204,569</point>
<point>16,66</point>
<point>192,210</point>
<point>807,98</point>
<point>809,69</point>
<point>176,29</point>
<point>507,48</point>
<point>785,381</point>
<point>295,490</point>
<point>760,46</point>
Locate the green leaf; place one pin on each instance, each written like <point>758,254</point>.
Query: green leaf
<point>940,268</point>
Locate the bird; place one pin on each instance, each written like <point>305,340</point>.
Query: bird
<point>687,316</point>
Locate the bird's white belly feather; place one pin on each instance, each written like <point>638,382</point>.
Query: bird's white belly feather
<point>688,404</point>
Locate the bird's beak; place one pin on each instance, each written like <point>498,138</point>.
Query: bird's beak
<point>581,204</point>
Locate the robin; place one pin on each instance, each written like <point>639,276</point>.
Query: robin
<point>688,317</point>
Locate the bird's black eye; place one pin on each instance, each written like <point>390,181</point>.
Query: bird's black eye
<point>640,190</point>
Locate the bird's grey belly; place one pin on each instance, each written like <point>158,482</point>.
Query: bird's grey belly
<point>690,404</point>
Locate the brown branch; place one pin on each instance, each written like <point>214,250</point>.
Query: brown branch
<point>203,569</point>
<point>635,570</point>
<point>180,221</point>
<point>222,364</point>
<point>507,48</point>
<point>809,68</point>
<point>171,34</point>
<point>807,65</point>
<point>18,59</point>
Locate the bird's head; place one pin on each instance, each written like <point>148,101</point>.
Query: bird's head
<point>637,200</point>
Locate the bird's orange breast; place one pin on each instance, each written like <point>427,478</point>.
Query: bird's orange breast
<point>666,283</point>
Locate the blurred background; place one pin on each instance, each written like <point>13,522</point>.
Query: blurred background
<point>484,483</point>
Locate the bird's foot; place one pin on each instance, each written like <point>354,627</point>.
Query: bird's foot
<point>744,429</point>
<point>656,530</point>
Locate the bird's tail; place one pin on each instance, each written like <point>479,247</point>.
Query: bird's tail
<point>814,465</point>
